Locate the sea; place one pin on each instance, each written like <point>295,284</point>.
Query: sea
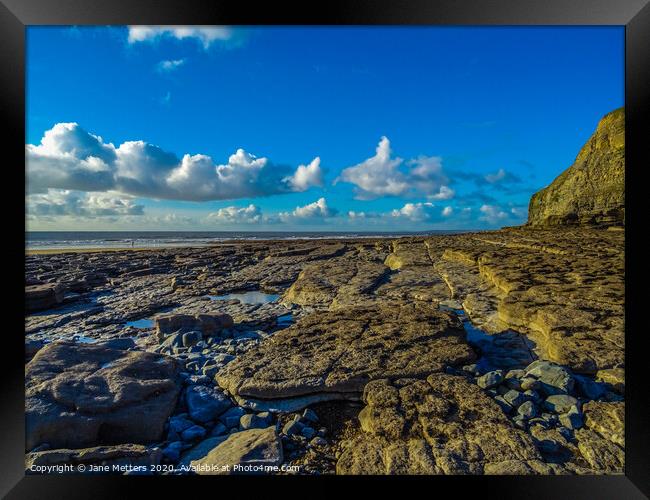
<point>57,240</point>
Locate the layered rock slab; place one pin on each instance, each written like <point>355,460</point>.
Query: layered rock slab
<point>441,425</point>
<point>564,288</point>
<point>82,395</point>
<point>338,352</point>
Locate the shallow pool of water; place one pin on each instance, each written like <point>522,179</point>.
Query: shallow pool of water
<point>285,319</point>
<point>251,297</point>
<point>141,323</point>
<point>83,340</point>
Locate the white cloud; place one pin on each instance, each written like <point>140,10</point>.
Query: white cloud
<point>57,202</point>
<point>233,215</point>
<point>363,215</point>
<point>206,35</point>
<point>382,175</point>
<point>444,193</point>
<point>170,65</point>
<point>315,210</point>
<point>492,214</point>
<point>306,176</point>
<point>416,211</point>
<point>70,158</point>
<point>501,176</point>
<point>447,211</point>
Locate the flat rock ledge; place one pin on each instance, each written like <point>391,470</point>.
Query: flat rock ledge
<point>334,354</point>
<point>82,395</point>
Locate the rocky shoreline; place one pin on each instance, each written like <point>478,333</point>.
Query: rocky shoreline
<point>481,353</point>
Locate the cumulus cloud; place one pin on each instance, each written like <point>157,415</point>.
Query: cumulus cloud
<point>492,214</point>
<point>383,175</point>
<point>416,212</point>
<point>206,35</point>
<point>447,211</point>
<point>315,210</point>
<point>70,158</point>
<point>169,65</point>
<point>444,193</point>
<point>233,215</point>
<point>306,176</point>
<point>57,202</point>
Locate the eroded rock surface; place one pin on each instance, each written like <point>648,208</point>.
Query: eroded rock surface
<point>343,315</point>
<point>441,425</point>
<point>339,352</point>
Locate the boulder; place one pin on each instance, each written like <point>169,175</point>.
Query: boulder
<point>208,324</point>
<point>250,451</point>
<point>83,395</point>
<point>45,296</point>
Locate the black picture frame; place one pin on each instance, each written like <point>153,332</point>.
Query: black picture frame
<point>15,15</point>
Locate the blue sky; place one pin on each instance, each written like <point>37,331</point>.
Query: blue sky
<point>314,128</point>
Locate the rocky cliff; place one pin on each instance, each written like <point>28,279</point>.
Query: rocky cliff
<point>592,190</point>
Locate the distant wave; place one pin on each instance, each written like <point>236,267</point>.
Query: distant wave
<point>36,240</point>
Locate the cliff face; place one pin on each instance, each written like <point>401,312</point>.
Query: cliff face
<point>592,190</point>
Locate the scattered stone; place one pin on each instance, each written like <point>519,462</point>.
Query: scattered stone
<point>308,432</point>
<point>560,403</point>
<point>527,410</point>
<point>490,379</point>
<point>193,433</point>
<point>505,406</point>
<point>529,384</point>
<point>309,415</point>
<point>252,421</point>
<point>191,338</point>
<point>514,398</point>
<point>219,430</point>
<point>553,378</point>
<point>292,427</point>
<point>231,417</point>
<point>572,419</point>
<point>172,451</point>
<point>206,403</point>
